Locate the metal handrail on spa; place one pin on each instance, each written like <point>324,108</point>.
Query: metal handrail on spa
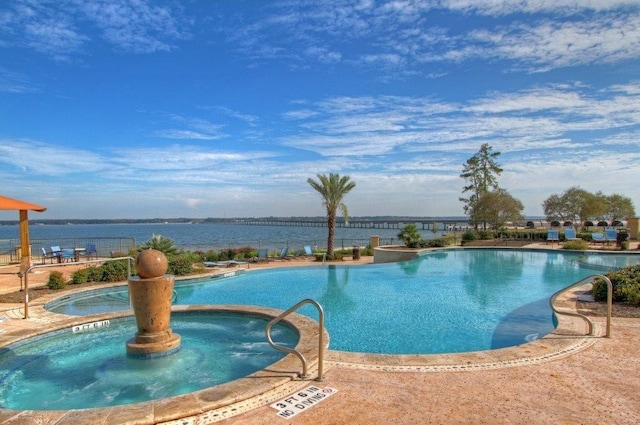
<point>267,332</point>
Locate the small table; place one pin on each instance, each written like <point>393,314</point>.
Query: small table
<point>77,252</point>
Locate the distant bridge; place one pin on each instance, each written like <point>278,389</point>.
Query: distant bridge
<point>422,224</point>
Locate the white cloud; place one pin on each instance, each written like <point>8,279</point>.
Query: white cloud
<point>27,156</point>
<point>59,30</point>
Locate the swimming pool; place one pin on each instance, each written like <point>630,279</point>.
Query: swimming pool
<point>446,301</point>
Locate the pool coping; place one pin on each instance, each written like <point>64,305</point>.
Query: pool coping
<point>280,379</point>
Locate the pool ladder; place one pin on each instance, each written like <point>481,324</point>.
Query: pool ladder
<point>267,332</point>
<point>585,281</point>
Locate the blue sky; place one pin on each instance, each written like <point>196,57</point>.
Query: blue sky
<point>141,109</point>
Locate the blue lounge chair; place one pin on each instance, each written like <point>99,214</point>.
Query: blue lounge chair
<point>307,251</point>
<point>284,254</point>
<point>570,235</point>
<point>610,235</point>
<point>262,255</point>
<point>234,262</point>
<point>213,264</point>
<point>553,236</point>
<point>598,237</point>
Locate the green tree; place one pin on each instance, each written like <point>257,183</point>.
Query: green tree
<point>619,207</point>
<point>162,244</point>
<point>481,172</point>
<point>497,207</point>
<point>575,204</point>
<point>333,189</point>
<point>410,235</point>
<point>555,209</point>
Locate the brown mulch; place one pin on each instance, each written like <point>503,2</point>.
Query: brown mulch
<point>39,291</point>
<point>600,309</point>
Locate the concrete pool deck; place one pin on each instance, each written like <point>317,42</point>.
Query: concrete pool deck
<point>566,379</point>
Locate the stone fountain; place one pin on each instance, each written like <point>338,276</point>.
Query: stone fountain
<point>151,295</point>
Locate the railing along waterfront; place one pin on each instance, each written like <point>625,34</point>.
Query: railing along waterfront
<point>106,247</point>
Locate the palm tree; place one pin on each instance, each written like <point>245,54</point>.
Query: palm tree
<point>162,244</point>
<point>333,188</point>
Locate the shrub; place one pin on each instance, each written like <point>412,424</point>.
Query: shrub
<point>80,276</point>
<point>228,254</point>
<point>469,235</point>
<point>626,286</point>
<point>211,255</point>
<point>410,235</point>
<point>485,235</point>
<point>114,271</point>
<point>368,251</point>
<point>94,274</point>
<point>576,245</point>
<point>56,280</point>
<point>181,265</point>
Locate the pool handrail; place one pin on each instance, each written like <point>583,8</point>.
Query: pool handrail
<point>41,266</point>
<point>586,280</point>
<point>267,332</point>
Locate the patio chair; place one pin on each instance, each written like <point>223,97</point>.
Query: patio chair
<point>91,251</point>
<point>570,235</point>
<point>610,235</point>
<point>307,251</point>
<point>598,237</point>
<point>68,255</point>
<point>553,236</point>
<point>47,255</point>
<point>56,253</point>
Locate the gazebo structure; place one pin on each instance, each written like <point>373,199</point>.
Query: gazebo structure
<point>14,204</point>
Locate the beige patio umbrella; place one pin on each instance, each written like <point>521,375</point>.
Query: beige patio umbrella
<point>23,207</point>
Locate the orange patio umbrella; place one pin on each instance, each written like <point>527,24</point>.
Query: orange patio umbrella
<point>14,204</point>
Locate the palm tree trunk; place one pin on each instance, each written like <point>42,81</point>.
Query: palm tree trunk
<point>331,224</point>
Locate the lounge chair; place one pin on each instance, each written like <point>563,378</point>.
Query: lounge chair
<point>553,236</point>
<point>284,254</point>
<point>307,251</point>
<point>610,235</point>
<point>598,237</point>
<point>213,264</point>
<point>234,262</point>
<point>570,235</point>
<point>262,255</point>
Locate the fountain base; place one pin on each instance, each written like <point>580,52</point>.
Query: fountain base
<point>150,348</point>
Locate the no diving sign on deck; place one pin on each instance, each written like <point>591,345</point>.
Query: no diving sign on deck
<point>302,400</point>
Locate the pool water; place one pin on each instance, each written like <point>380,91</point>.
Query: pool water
<point>446,301</point>
<point>65,370</point>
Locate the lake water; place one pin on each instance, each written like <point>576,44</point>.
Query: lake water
<point>209,235</point>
